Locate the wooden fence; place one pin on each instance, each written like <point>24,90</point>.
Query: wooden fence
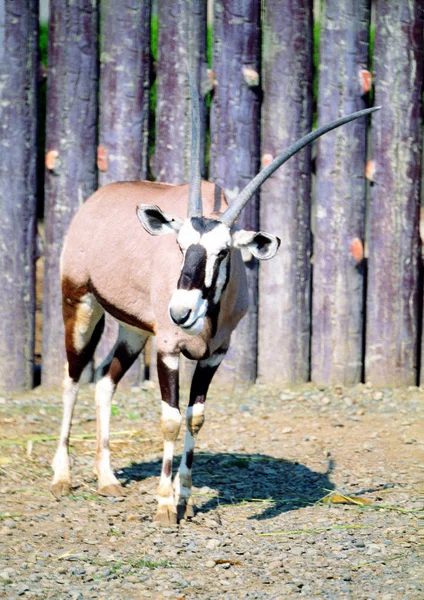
<point>342,301</point>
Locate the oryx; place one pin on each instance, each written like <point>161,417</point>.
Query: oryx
<point>179,276</point>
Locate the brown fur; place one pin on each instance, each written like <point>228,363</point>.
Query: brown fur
<point>78,358</point>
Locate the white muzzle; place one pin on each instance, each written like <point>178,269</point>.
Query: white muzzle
<point>187,309</point>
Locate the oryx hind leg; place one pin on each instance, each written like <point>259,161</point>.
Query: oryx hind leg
<point>84,322</point>
<point>195,417</point>
<point>127,348</point>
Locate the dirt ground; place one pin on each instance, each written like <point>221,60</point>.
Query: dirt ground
<point>264,528</point>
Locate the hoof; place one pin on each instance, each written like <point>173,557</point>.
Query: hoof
<point>61,488</point>
<point>185,509</point>
<point>114,489</point>
<point>166,515</point>
<point>189,513</point>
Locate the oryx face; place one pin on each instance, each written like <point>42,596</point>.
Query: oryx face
<point>206,246</point>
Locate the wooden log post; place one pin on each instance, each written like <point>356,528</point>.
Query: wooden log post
<point>181,41</point>
<point>284,282</point>
<point>18,187</point>
<point>234,152</point>
<point>124,111</point>
<point>338,267</point>
<point>394,252</point>
<point>71,142</point>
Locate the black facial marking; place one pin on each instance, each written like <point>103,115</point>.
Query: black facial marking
<point>216,270</point>
<point>203,225</point>
<point>193,271</point>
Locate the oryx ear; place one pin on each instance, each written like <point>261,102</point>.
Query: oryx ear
<point>157,222</point>
<point>262,245</point>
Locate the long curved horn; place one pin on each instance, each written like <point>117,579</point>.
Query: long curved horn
<point>195,198</point>
<point>230,215</point>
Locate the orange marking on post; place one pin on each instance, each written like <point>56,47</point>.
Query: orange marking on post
<point>266,159</point>
<point>102,158</point>
<point>365,79</point>
<point>357,249</point>
<point>211,75</point>
<point>51,159</point>
<point>370,170</point>
<point>251,76</point>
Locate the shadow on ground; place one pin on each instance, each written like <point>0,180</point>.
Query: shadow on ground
<point>275,484</point>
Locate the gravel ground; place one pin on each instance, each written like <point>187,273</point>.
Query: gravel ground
<point>266,459</point>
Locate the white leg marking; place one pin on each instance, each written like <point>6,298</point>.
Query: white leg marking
<point>105,389</point>
<point>60,463</point>
<point>165,495</point>
<point>170,424</point>
<point>171,419</point>
<point>171,361</point>
<point>195,417</point>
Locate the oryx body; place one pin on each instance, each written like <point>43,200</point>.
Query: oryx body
<point>110,263</point>
<point>135,251</point>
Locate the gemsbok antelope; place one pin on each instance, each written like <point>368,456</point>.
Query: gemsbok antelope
<point>188,289</point>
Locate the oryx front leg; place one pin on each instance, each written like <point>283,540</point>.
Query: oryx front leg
<point>195,417</point>
<point>170,425</point>
<point>125,352</point>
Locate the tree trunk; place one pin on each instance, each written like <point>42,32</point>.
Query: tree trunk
<point>234,153</point>
<point>124,111</point>
<point>338,280</point>
<point>18,186</point>
<point>71,152</point>
<point>392,302</point>
<point>284,308</point>
<point>181,41</point>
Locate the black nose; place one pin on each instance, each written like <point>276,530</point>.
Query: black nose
<point>180,319</point>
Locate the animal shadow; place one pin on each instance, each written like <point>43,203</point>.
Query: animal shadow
<point>273,484</point>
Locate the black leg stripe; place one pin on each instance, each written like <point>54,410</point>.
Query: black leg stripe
<point>189,459</point>
<point>167,468</point>
<point>169,383</point>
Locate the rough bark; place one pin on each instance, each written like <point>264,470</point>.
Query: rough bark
<point>234,153</point>
<point>284,283</point>
<point>71,142</point>
<point>392,300</point>
<point>181,41</point>
<point>338,271</point>
<point>18,185</point>
<point>124,110</point>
